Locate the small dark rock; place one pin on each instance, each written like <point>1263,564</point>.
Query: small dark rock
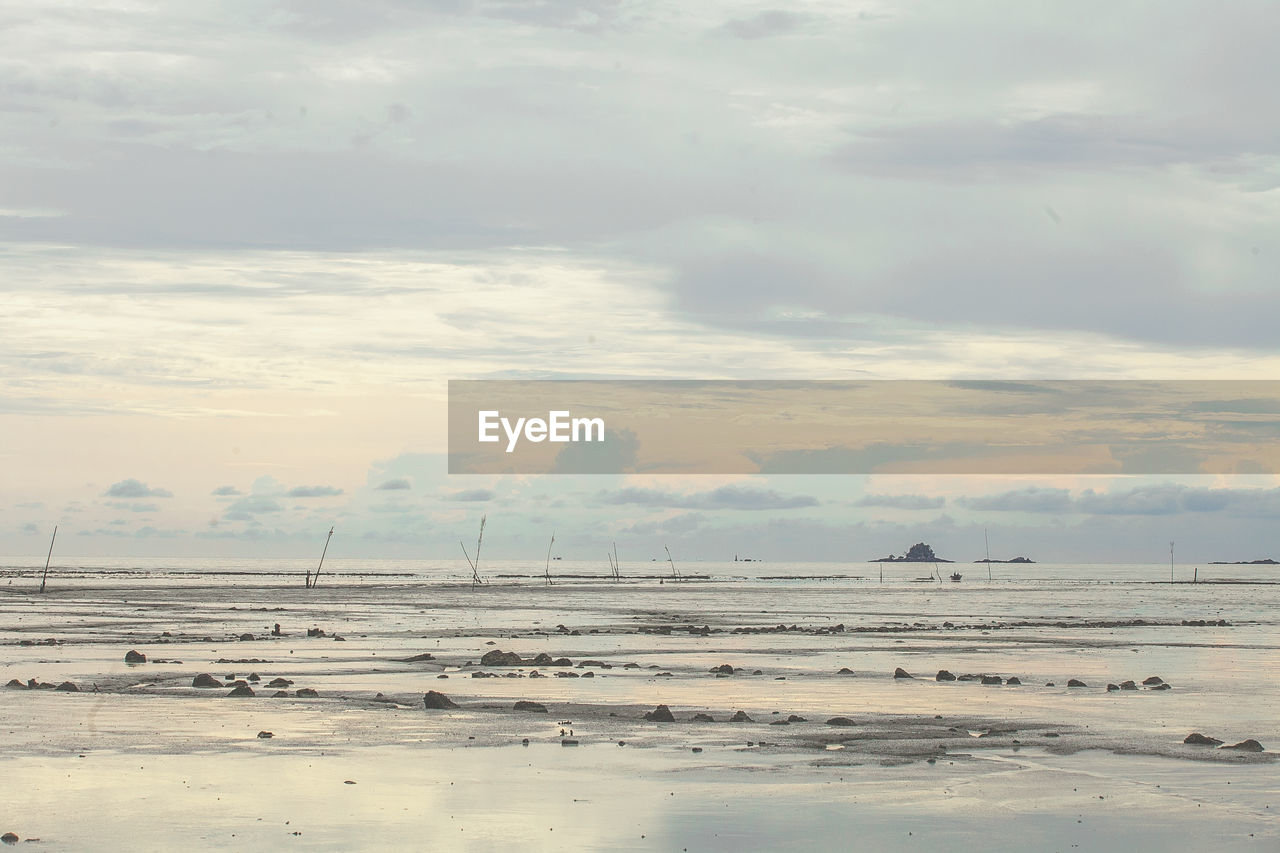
<point>702,718</point>
<point>795,719</point>
<point>741,717</point>
<point>840,721</point>
<point>253,676</point>
<point>992,679</point>
<point>1128,685</point>
<point>1249,745</point>
<point>242,690</point>
<point>13,682</point>
<point>1075,682</point>
<point>1153,680</point>
<point>204,679</point>
<point>1111,688</point>
<point>68,687</point>
<point>306,693</point>
<point>1162,687</point>
<point>279,682</point>
<point>902,673</point>
<point>943,675</point>
<point>525,705</point>
<point>280,694</point>
<point>1014,680</point>
<point>132,656</point>
<point>660,714</point>
<point>434,700</point>
<point>9,838</point>
<point>1197,739</point>
<point>723,669</point>
<point>697,749</point>
<point>844,670</point>
<point>265,735</point>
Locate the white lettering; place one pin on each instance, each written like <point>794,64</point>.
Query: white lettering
<point>587,425</point>
<point>513,435</point>
<point>559,427</point>
<point>486,424</point>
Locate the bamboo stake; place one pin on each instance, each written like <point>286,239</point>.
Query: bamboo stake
<point>475,564</point>
<point>553,542</point>
<point>45,576</point>
<point>675,573</point>
<point>315,580</point>
<point>617,568</point>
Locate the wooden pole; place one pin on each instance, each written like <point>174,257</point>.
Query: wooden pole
<point>315,580</point>
<point>45,576</point>
<point>675,573</point>
<point>553,542</point>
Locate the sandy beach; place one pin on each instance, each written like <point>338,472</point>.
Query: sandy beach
<point>828,745</point>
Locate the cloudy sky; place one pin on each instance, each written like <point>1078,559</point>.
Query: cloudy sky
<point>246,244</point>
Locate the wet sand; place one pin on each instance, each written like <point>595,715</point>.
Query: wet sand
<point>139,756</point>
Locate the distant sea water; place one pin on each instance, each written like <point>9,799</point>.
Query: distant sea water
<point>170,571</point>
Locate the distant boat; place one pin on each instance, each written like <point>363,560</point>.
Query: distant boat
<point>955,577</point>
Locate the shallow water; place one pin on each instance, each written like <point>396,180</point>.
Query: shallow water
<point>203,774</point>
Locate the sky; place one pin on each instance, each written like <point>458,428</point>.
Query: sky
<point>245,245</point>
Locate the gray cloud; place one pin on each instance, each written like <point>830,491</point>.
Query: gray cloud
<point>1163,499</point>
<point>313,492</point>
<point>723,498</point>
<point>470,495</point>
<point>134,489</point>
<point>771,22</point>
<point>902,501</point>
<point>395,484</point>
<point>226,491</point>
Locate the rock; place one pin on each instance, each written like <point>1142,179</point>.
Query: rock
<point>315,632</point>
<point>246,638</point>
<point>1153,680</point>
<point>969,677</point>
<point>943,675</point>
<point>535,707</point>
<point>1249,745</point>
<point>242,690</point>
<point>68,687</point>
<point>1111,688</point>
<point>660,714</point>
<point>132,656</point>
<point>1162,687</point>
<point>840,721</point>
<point>723,669</point>
<point>992,679</point>
<point>306,693</point>
<point>568,741</point>
<point>9,838</point>
<point>702,718</point>
<point>204,679</point>
<point>1075,682</point>
<point>280,694</point>
<point>795,719</point>
<point>1014,680</point>
<point>1197,739</point>
<point>902,673</point>
<point>279,682</point>
<point>844,670</point>
<point>265,735</point>
<point>435,701</point>
<point>13,682</point>
<point>1128,685</point>
<point>741,717</point>
<point>697,749</point>
<point>254,677</point>
<point>496,657</point>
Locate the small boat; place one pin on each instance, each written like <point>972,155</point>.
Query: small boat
<point>955,577</point>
